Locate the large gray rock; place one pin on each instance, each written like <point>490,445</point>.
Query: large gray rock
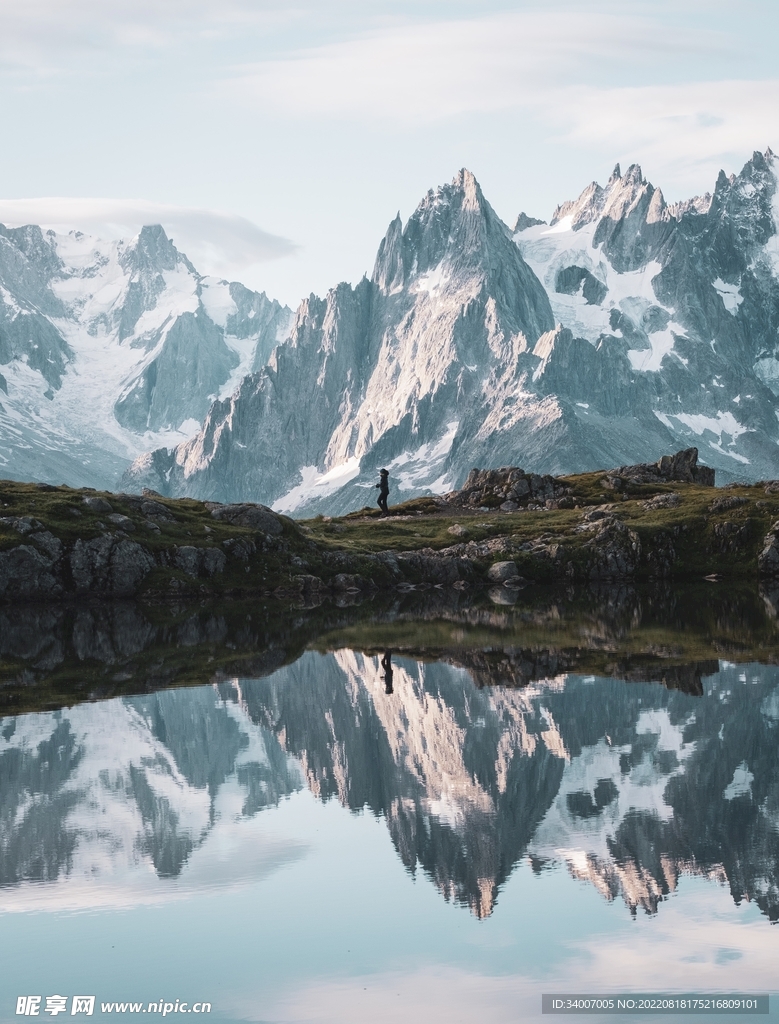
<point>256,517</point>
<point>105,565</point>
<point>501,572</point>
<point>26,573</point>
<point>196,561</point>
<point>613,551</point>
<point>683,466</point>
<point>96,504</point>
<point>768,559</point>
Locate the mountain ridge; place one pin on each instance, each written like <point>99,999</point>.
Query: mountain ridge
<point>623,328</point>
<point>654,327</point>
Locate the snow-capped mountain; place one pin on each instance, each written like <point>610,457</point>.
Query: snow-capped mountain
<point>622,329</point>
<point>109,348</point>
<point>629,785</point>
<point>381,372</point>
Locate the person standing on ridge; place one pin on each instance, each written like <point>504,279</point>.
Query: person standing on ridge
<point>383,486</point>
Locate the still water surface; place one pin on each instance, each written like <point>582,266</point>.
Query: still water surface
<point>308,846</point>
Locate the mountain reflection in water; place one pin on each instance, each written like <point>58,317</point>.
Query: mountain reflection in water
<point>629,784</point>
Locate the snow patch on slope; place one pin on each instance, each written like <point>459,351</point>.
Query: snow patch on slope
<point>434,281</point>
<point>662,344</point>
<point>314,485</point>
<point>740,784</point>
<point>421,468</point>
<point>730,294</point>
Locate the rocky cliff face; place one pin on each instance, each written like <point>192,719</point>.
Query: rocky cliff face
<point>106,347</point>
<point>624,328</point>
<point>381,372</point>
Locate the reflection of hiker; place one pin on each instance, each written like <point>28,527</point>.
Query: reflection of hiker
<point>383,486</point>
<point>386,664</point>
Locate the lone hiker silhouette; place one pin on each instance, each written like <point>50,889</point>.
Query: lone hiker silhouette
<point>383,486</point>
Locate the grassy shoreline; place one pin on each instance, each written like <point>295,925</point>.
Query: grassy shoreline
<point>85,542</point>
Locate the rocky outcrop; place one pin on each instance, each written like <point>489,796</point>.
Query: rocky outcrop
<point>503,572</point>
<point>768,559</point>
<point>683,467</point>
<point>107,565</point>
<point>27,573</point>
<point>613,550</point>
<point>122,545</point>
<point>508,489</point>
<point>512,488</point>
<point>257,517</point>
<point>111,564</point>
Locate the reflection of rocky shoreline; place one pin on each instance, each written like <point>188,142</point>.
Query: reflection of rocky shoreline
<point>520,668</point>
<point>54,655</point>
<point>629,785</point>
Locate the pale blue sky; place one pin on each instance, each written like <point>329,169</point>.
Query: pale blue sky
<point>317,121</point>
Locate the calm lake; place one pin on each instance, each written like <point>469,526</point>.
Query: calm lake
<point>409,813</point>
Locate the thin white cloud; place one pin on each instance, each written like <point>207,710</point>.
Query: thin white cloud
<point>45,35</point>
<point>217,243</point>
<point>419,73</point>
<point>553,65</point>
<point>686,129</point>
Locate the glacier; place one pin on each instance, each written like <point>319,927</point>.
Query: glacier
<point>111,348</point>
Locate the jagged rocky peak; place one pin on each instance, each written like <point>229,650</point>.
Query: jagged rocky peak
<point>697,206</point>
<point>27,263</point>
<point>146,259</point>
<point>454,223</point>
<point>756,182</point>
<point>583,210</point>
<point>742,216</point>
<point>30,241</point>
<point>621,196</point>
<point>630,192</point>
<point>758,173</point>
<point>633,222</point>
<point>388,271</point>
<point>523,222</point>
<point>151,251</point>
